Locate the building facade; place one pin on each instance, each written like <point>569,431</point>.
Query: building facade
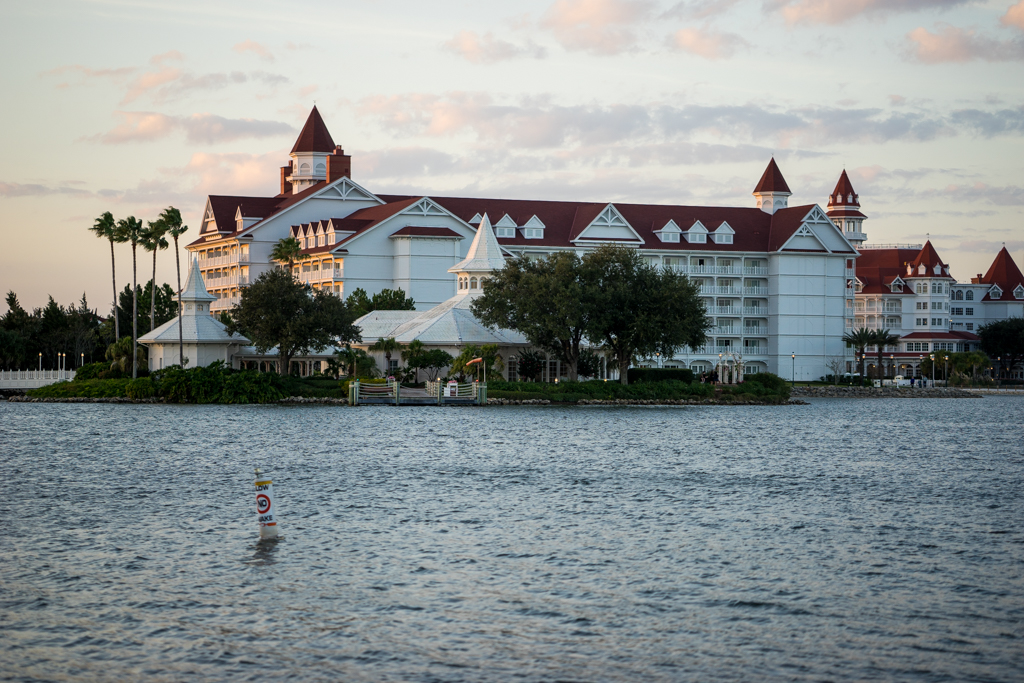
<point>782,283</point>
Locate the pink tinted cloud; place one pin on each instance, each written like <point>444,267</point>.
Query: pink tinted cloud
<point>202,128</point>
<point>150,81</point>
<point>952,44</point>
<point>839,11</point>
<point>257,49</point>
<point>1015,16</point>
<point>707,43</point>
<point>601,27</point>
<point>172,55</point>
<point>487,49</point>
<point>241,174</point>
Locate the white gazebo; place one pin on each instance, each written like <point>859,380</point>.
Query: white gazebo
<point>204,338</point>
<point>450,325</point>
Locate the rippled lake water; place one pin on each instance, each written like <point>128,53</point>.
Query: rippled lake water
<point>845,540</point>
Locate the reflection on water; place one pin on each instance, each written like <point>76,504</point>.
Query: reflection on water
<point>845,540</point>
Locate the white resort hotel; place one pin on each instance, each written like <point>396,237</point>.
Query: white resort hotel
<point>782,283</point>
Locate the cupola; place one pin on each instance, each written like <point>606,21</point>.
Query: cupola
<point>772,192</point>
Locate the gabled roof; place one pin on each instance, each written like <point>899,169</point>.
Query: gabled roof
<point>878,268</point>
<point>425,231</point>
<point>1004,273</point>
<point>314,136</point>
<point>772,180</point>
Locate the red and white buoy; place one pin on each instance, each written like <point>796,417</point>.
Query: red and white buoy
<point>265,505</point>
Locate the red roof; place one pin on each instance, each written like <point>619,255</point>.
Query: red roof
<point>950,336</point>
<point>314,136</point>
<point>877,268</point>
<point>225,207</point>
<point>1003,272</point>
<point>772,180</point>
<point>421,231</point>
<point>844,194</point>
<point>929,258</point>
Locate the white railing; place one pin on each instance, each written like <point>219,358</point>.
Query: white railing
<point>723,310</point>
<point>319,275</point>
<point>726,331</point>
<point>33,379</point>
<point>716,270</point>
<point>227,260</point>
<point>224,304</point>
<point>755,311</point>
<point>755,291</point>
<point>889,246</point>
<point>212,282</point>
<point>732,291</point>
<point>755,331</point>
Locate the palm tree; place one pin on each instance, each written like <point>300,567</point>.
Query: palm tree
<point>120,354</point>
<point>171,219</point>
<point>106,227</point>
<point>287,250</point>
<point>130,230</point>
<point>152,239</point>
<point>883,338</point>
<point>387,346</point>
<point>410,353</point>
<point>860,339</point>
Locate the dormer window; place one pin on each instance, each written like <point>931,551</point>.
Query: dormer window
<point>697,234</point>
<point>533,233</point>
<point>1019,292</point>
<point>669,237</point>
<point>330,238</point>
<point>669,232</point>
<point>995,292</point>
<point>722,239</point>
<point>921,269</point>
<point>508,233</point>
<point>896,287</point>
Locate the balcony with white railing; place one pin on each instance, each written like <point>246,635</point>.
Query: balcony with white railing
<point>726,291</point>
<point>224,304</point>
<point>723,310</point>
<point>225,260</point>
<point>725,331</point>
<point>327,274</point>
<point>757,311</point>
<point>716,270</point>
<point>751,331</point>
<point>755,291</point>
<point>238,280</point>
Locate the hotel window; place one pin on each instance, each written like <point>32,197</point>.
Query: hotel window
<point>958,311</point>
<point>921,288</point>
<point>968,311</point>
<point>505,232</point>
<point>922,322</point>
<point>533,233</point>
<point>970,327</point>
<point>936,322</point>
<point>959,295</point>
<point>669,236</point>
<point>723,239</point>
<point>969,296</point>
<point>936,305</point>
<point>472,283</point>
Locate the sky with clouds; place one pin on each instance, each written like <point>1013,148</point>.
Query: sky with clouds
<point>134,105</point>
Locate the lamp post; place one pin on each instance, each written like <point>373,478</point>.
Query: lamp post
<point>931,357</point>
<point>892,362</point>
<point>81,360</point>
<point>794,369</point>
<point>40,361</point>
<point>718,371</point>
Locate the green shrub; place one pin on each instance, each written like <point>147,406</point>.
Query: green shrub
<point>91,388</point>
<point>249,386</point>
<point>771,383</point>
<point>140,388</point>
<point>659,375</point>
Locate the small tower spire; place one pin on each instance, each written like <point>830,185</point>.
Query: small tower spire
<point>772,192</point>
<point>844,210</point>
<point>483,258</point>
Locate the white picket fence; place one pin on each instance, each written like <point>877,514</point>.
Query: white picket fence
<point>33,379</point>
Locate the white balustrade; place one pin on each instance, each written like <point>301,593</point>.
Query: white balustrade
<point>755,311</point>
<point>716,270</point>
<point>33,379</point>
<point>755,291</point>
<point>225,260</point>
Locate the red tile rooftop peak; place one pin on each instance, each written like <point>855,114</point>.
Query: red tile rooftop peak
<point>929,258</point>
<point>1003,272</point>
<point>844,194</point>
<point>314,136</point>
<point>772,180</point>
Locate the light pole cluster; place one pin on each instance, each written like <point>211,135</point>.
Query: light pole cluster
<point>794,369</point>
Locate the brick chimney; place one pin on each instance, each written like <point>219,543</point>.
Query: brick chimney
<point>286,186</point>
<point>339,165</point>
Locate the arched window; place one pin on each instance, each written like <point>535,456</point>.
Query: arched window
<point>472,283</point>
<point>959,295</point>
<point>970,295</point>
<point>850,198</point>
<point>304,169</point>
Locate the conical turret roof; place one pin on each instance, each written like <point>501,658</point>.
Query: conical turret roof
<point>314,136</point>
<point>929,258</point>
<point>195,288</point>
<point>1003,272</point>
<point>484,254</point>
<point>844,194</point>
<point>772,180</point>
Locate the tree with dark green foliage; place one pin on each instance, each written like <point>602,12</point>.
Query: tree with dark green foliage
<point>286,252</point>
<point>881,339</point>
<point>432,362</point>
<point>170,219</point>
<point>550,301</point>
<point>277,310</point>
<point>153,240</point>
<point>860,339</point>
<point>531,364</point>
<point>1004,340</point>
<point>130,230</point>
<point>589,364</point>
<point>638,309</point>
<point>388,346</point>
<point>105,227</point>
<point>164,308</point>
<point>492,362</point>
<point>385,300</point>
